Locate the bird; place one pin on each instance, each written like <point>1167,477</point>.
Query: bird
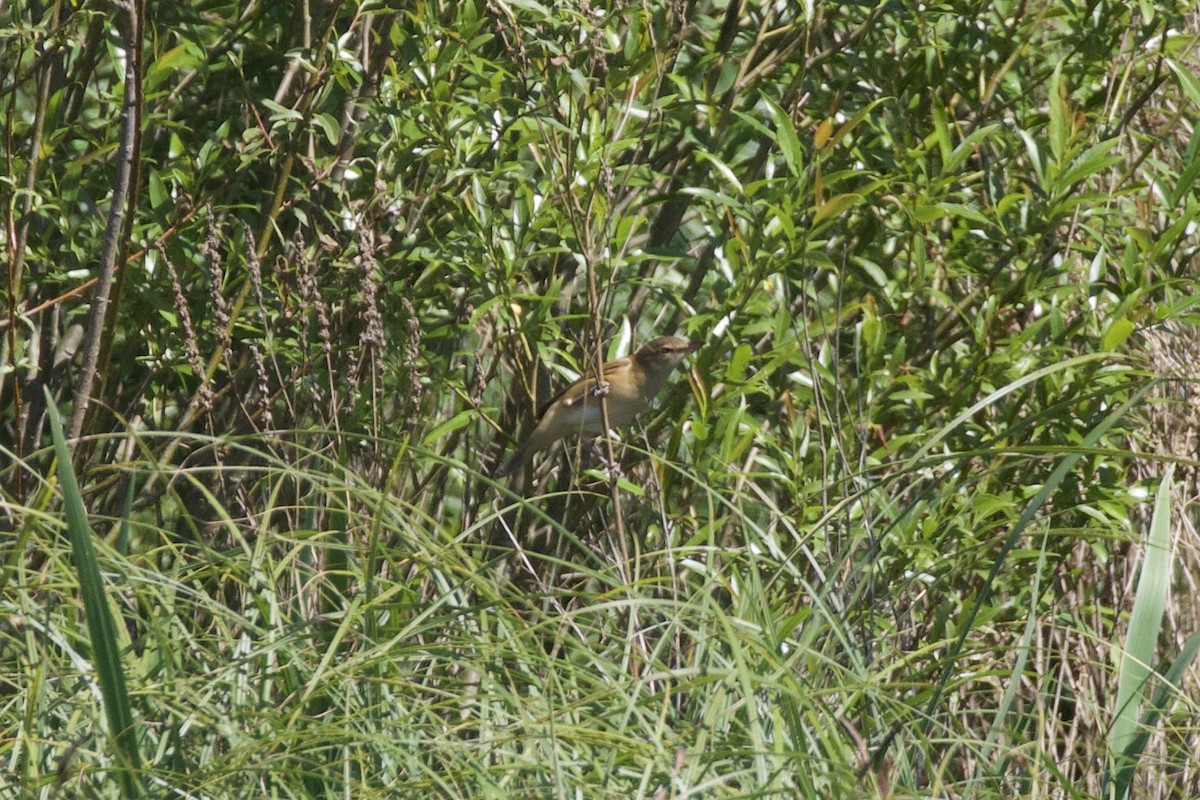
<point>626,388</point>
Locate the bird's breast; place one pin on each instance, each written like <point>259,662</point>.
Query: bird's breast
<point>623,399</point>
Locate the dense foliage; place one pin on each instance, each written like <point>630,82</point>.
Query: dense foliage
<point>297,275</point>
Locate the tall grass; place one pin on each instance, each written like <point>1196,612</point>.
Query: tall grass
<point>341,641</point>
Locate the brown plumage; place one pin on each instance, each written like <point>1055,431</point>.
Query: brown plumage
<point>627,387</point>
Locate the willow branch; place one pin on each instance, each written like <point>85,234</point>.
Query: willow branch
<point>131,120</point>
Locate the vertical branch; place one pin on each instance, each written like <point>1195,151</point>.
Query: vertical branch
<point>17,231</point>
<point>127,155</point>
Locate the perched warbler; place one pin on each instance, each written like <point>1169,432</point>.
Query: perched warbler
<point>625,389</point>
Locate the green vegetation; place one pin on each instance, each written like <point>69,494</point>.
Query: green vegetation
<point>915,522</point>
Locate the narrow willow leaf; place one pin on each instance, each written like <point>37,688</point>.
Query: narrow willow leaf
<point>457,422</point>
<point>941,133</point>
<point>1116,334</point>
<point>966,212</point>
<point>1093,160</point>
<point>822,133</point>
<point>835,207</point>
<point>786,138</point>
<point>967,148</point>
<point>722,168</point>
<point>849,125</point>
<point>1060,114</point>
<point>1187,81</point>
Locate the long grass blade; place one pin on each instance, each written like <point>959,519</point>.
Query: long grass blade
<point>1145,623</point>
<point>102,628</point>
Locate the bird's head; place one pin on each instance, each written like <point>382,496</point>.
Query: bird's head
<point>665,351</point>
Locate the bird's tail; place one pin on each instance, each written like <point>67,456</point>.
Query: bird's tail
<point>514,462</point>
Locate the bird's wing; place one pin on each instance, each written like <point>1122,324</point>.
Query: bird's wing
<point>579,391</point>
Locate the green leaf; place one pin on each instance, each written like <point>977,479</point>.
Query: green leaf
<point>629,486</point>
<point>1035,156</point>
<point>158,192</point>
<point>966,212</point>
<point>1091,161</point>
<point>186,56</point>
<point>1060,116</point>
<point>329,125</point>
<point>967,148</point>
<point>735,371</point>
<point>102,629</point>
<point>279,112</point>
<point>1187,81</point>
<point>787,139</point>
<point>1182,189</point>
<point>1141,640</point>
<point>1169,239</point>
<point>927,213</point>
<point>1116,334</point>
<point>722,168</point>
<point>835,206</point>
<point>459,420</point>
<point>994,397</point>
<point>911,394</point>
<point>849,125</point>
<point>941,133</point>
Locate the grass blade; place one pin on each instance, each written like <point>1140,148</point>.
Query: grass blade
<point>1145,622</point>
<point>102,628</point>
